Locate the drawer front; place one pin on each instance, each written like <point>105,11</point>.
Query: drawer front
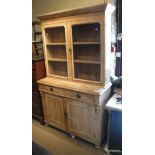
<point>68,93</point>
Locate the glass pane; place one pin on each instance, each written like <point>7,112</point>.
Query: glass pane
<point>55,35</point>
<point>86,32</point>
<point>56,51</point>
<point>87,71</point>
<point>57,68</point>
<point>87,52</point>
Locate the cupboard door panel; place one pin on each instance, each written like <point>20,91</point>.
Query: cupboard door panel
<point>55,110</point>
<point>86,45</point>
<point>56,47</point>
<point>81,119</point>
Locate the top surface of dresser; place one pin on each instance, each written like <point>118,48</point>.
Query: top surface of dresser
<point>75,86</point>
<point>100,7</point>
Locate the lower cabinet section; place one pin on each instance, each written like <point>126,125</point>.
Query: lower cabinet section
<point>79,118</point>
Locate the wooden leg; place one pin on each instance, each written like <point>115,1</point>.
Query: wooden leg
<point>42,121</point>
<point>72,136</point>
<point>46,124</point>
<point>97,146</point>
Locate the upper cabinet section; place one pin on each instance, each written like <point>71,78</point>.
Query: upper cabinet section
<point>77,44</point>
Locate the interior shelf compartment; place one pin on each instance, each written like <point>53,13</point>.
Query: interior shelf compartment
<point>86,32</point>
<point>87,71</point>
<point>87,52</point>
<point>57,68</point>
<point>55,51</point>
<point>55,34</point>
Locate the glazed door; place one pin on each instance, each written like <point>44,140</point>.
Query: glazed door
<point>56,48</point>
<point>81,119</point>
<point>87,50</point>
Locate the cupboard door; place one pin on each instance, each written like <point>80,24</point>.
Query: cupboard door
<point>54,110</point>
<point>81,121</point>
<point>87,50</point>
<point>56,47</point>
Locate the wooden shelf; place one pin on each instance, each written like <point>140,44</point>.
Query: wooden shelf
<point>34,41</point>
<point>48,44</point>
<point>87,61</point>
<point>85,43</point>
<point>57,59</point>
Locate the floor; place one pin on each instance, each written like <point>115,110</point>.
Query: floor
<point>60,143</point>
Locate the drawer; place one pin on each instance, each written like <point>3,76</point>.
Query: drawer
<point>68,93</point>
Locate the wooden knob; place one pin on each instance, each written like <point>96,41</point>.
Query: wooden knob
<point>65,113</point>
<point>70,49</point>
<point>78,95</point>
<point>51,89</point>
